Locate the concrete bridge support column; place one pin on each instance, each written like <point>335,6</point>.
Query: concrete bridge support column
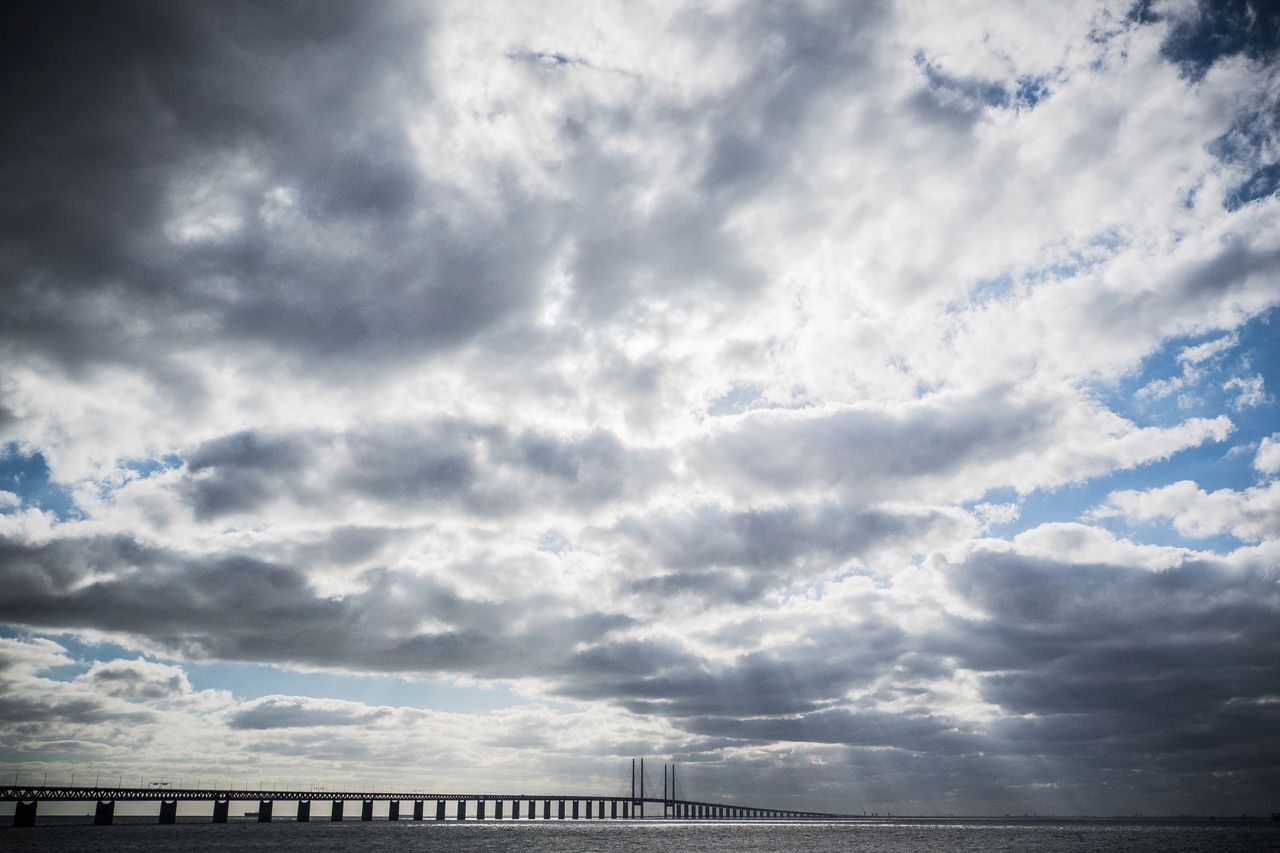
<point>335,813</point>
<point>561,811</point>
<point>264,811</point>
<point>546,810</point>
<point>462,809</point>
<point>515,809</point>
<point>531,809</point>
<point>220,810</point>
<point>626,809</point>
<point>497,810</point>
<point>417,810</point>
<point>589,809</point>
<point>439,809</point>
<point>393,810</point>
<point>366,809</point>
<point>575,809</point>
<point>304,811</point>
<point>613,808</point>
<point>168,811</point>
<point>479,809</point>
<point>600,810</point>
<point>24,814</point>
<point>104,813</point>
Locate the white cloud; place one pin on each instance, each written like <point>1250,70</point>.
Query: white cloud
<point>1251,515</point>
<point>1267,459</point>
<point>1249,392</point>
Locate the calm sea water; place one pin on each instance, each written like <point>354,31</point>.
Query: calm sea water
<point>667,837</point>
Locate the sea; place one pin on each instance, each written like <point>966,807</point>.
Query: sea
<point>887,836</point>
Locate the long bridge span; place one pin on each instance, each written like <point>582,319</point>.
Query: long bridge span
<point>424,805</point>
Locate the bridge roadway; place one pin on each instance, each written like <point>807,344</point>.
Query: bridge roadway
<point>27,798</point>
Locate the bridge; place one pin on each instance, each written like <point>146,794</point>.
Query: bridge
<point>487,806</point>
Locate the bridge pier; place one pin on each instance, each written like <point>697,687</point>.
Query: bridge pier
<point>366,809</point>
<point>104,813</point>
<point>264,811</point>
<point>531,809</point>
<point>393,810</point>
<point>589,805</point>
<point>613,808</point>
<point>515,809</point>
<point>497,810</point>
<point>304,811</point>
<point>561,814</point>
<point>462,809</point>
<point>168,811</point>
<point>546,810</point>
<point>479,809</point>
<point>335,812</point>
<point>24,814</point>
<point>439,809</point>
<point>417,809</point>
<point>220,810</point>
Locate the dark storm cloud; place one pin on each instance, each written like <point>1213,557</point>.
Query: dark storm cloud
<point>774,539</point>
<point>1120,664</point>
<point>871,451</point>
<point>720,555</point>
<point>918,733</point>
<point>480,467</point>
<point>129,116</point>
<point>790,681</point>
<point>240,472</point>
<point>236,607</point>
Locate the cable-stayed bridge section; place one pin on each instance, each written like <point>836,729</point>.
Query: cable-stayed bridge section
<point>423,805</point>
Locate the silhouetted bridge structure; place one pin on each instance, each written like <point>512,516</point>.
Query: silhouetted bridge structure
<point>443,806</point>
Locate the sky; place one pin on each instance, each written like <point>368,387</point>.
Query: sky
<point>866,406</point>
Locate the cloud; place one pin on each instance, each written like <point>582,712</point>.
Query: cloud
<point>955,444</point>
<point>1267,459</point>
<point>284,712</point>
<point>446,463</point>
<point>1249,391</point>
<point>137,679</point>
<point>1250,514</point>
<point>726,383</point>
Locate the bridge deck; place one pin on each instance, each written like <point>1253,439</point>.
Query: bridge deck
<point>62,793</point>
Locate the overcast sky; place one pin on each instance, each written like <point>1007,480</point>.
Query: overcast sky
<point>865,405</point>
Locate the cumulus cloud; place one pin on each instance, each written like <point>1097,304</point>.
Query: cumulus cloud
<point>1251,514</point>
<point>137,679</point>
<point>1267,459</point>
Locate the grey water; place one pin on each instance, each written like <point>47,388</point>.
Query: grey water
<point>888,836</point>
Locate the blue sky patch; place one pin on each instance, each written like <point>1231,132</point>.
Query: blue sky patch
<point>27,476</point>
